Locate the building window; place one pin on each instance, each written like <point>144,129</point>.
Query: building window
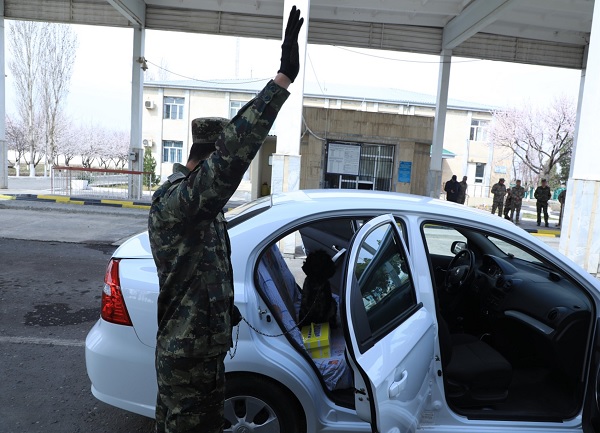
<point>234,107</point>
<point>479,171</point>
<point>172,151</point>
<point>479,130</point>
<point>375,167</point>
<point>173,108</point>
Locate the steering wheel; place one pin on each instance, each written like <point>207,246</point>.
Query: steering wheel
<point>458,275</point>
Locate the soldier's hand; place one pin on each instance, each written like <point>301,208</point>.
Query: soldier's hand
<point>290,57</point>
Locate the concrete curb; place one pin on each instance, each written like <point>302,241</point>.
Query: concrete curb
<point>77,200</point>
<point>544,232</point>
<point>86,201</point>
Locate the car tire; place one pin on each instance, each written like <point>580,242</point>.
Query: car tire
<point>256,403</point>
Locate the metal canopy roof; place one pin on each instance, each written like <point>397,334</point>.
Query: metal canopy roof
<point>541,32</point>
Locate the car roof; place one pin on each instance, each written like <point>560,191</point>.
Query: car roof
<point>378,200</point>
<point>300,202</point>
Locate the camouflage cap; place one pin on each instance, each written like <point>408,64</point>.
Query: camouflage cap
<point>208,129</point>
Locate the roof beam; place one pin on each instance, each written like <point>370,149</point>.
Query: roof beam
<point>133,10</point>
<point>476,17</point>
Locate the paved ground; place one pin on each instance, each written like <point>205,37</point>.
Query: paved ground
<point>43,221</point>
<point>49,299</point>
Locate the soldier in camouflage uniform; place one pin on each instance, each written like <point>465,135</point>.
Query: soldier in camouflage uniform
<point>462,192</point>
<point>518,192</point>
<point>499,191</point>
<point>191,249</point>
<point>542,195</point>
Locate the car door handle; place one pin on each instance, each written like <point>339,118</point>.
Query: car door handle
<point>398,386</point>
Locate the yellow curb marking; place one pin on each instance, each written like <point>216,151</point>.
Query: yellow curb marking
<point>135,206</point>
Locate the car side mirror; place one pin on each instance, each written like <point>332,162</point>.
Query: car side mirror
<point>458,246</point>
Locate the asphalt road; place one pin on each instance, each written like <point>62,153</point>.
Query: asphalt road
<point>49,299</point>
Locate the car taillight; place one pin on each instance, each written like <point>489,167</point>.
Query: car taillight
<point>113,304</point>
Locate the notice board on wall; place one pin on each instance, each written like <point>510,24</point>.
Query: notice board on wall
<point>404,171</point>
<point>343,158</point>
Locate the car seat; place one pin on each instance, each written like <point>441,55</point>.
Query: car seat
<point>475,374</point>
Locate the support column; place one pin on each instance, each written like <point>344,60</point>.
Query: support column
<point>286,160</point>
<point>136,152</point>
<point>3,143</point>
<point>580,234</point>
<point>434,179</point>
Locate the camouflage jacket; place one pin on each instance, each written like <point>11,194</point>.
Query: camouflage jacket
<point>542,194</point>
<point>499,191</point>
<point>462,191</point>
<point>189,240</point>
<point>518,192</point>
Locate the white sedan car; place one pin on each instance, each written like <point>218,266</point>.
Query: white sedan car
<point>450,320</point>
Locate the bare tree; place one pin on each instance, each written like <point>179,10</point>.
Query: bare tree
<point>87,145</point>
<point>16,138</point>
<point>26,39</point>
<point>540,139</point>
<point>60,49</point>
<point>41,65</point>
<point>67,143</point>
<point>158,72</point>
<point>104,151</point>
<point>120,148</point>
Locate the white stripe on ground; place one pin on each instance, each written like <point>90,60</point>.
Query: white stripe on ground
<point>42,341</point>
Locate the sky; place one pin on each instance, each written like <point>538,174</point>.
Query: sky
<point>100,87</point>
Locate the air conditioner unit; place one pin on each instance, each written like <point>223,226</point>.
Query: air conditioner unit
<point>149,104</point>
<point>147,142</point>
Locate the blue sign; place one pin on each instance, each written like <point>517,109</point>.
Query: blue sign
<point>404,171</point>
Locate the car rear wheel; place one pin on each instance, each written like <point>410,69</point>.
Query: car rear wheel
<point>257,404</point>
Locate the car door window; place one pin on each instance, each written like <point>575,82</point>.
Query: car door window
<point>383,279</point>
<point>439,239</point>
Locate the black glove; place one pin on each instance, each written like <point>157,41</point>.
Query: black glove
<point>236,316</point>
<point>290,58</point>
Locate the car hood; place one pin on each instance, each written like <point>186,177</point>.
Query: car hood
<point>136,247</point>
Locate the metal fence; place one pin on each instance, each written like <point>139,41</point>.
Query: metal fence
<point>100,183</point>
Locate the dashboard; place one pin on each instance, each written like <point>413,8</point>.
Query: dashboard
<point>533,305</point>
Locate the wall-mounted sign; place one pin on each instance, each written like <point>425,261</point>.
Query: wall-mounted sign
<point>343,158</point>
<point>404,171</point>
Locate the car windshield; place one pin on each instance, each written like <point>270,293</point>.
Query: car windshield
<point>513,250</point>
<point>246,211</point>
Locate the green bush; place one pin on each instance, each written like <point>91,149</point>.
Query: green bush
<point>150,166</point>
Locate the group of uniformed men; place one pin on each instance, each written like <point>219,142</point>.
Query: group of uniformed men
<point>507,201</point>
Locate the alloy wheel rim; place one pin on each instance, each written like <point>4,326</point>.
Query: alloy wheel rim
<point>247,414</point>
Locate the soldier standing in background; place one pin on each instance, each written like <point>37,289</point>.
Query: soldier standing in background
<point>508,204</point>
<point>518,192</point>
<point>191,249</point>
<point>561,199</point>
<point>462,191</point>
<point>499,191</point>
<point>542,195</point>
<point>452,188</point>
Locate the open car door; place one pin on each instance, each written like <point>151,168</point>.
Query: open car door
<point>390,335</point>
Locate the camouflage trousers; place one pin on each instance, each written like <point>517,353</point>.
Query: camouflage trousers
<point>515,210</point>
<point>191,392</point>
<point>498,204</point>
